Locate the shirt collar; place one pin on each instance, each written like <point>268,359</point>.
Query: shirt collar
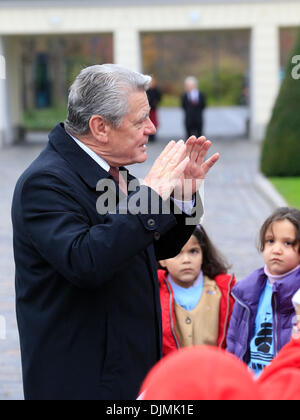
<point>273,278</point>
<point>98,159</point>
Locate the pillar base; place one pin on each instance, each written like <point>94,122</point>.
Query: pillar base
<point>257,132</point>
<point>16,135</point>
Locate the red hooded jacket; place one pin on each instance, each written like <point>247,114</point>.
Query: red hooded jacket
<point>225,282</point>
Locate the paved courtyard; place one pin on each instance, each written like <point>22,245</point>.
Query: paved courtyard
<point>234,211</point>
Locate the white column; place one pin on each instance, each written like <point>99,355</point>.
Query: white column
<point>264,77</point>
<point>10,91</point>
<point>127,48</point>
<point>3,107</point>
<point>14,89</point>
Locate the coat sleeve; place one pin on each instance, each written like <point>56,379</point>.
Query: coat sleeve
<point>233,328</point>
<point>171,243</point>
<point>87,255</point>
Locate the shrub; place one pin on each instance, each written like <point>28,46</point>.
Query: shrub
<point>281,148</point>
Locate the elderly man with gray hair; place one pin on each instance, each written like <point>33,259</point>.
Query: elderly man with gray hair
<point>193,103</point>
<point>87,293</point>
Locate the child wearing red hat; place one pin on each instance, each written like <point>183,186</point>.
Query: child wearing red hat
<point>200,373</point>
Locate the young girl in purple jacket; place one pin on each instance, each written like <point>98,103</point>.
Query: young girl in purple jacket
<point>262,319</point>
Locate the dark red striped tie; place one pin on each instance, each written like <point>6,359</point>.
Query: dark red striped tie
<point>115,173</point>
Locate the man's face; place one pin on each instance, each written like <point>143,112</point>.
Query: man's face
<point>128,143</point>
<point>189,86</point>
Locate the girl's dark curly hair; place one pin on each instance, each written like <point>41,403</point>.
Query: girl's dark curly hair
<point>214,263</point>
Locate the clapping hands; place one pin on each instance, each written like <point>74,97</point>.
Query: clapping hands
<point>181,168</point>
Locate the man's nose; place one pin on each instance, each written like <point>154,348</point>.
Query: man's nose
<point>151,129</point>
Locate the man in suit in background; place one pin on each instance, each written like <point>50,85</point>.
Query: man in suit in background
<point>193,102</point>
<point>87,292</point>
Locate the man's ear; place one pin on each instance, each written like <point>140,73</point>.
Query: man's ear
<point>162,263</point>
<point>99,128</point>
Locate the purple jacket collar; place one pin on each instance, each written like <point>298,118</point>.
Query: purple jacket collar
<point>249,290</point>
<point>247,294</point>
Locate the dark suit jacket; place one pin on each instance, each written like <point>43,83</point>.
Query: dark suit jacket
<point>193,111</point>
<point>87,293</point>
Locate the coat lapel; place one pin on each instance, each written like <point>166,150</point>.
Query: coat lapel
<point>80,161</point>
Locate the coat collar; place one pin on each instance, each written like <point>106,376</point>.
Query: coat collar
<point>80,162</point>
<point>250,289</point>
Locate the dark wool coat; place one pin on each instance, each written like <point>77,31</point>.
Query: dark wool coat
<point>87,292</point>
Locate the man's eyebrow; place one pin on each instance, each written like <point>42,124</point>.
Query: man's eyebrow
<point>144,117</point>
<point>147,114</point>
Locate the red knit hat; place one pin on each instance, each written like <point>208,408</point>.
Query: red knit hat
<point>200,373</point>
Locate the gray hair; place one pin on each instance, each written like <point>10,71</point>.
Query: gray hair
<point>102,90</point>
<point>191,80</point>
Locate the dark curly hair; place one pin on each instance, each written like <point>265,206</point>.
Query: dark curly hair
<point>214,263</point>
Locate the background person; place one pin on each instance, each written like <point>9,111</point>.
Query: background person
<point>154,97</point>
<point>193,103</point>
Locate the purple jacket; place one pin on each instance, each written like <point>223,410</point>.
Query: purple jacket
<point>247,294</point>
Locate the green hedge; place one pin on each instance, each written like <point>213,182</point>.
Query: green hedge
<point>281,147</point>
<point>43,119</point>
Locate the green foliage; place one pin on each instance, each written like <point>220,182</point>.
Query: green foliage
<point>170,101</point>
<point>43,119</point>
<point>223,88</point>
<point>281,147</point>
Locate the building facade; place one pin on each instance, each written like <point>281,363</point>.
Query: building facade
<point>126,20</point>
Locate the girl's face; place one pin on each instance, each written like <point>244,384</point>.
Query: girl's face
<point>280,253</point>
<point>186,266</point>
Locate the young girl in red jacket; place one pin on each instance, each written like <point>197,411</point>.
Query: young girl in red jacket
<point>195,292</point>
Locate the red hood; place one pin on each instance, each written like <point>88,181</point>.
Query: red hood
<point>209,373</point>
<point>281,379</point>
<point>200,373</point>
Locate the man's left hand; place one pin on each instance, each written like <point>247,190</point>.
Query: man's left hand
<point>197,168</point>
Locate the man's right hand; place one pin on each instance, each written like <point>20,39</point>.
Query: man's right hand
<point>168,169</point>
